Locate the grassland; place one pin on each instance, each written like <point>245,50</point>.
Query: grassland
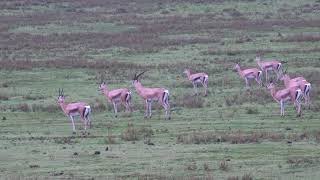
<point>233,133</point>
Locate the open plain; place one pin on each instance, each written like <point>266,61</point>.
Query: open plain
<point>233,133</point>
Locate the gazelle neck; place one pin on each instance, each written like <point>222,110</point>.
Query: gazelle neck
<point>258,62</point>
<point>63,106</point>
<point>105,90</point>
<point>238,68</point>
<point>138,86</point>
<point>188,74</point>
<point>273,93</point>
<point>286,80</point>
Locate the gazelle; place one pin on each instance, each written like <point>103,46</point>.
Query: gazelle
<point>270,65</point>
<point>117,96</point>
<point>303,84</point>
<point>247,74</point>
<point>292,93</point>
<point>150,94</point>
<point>196,79</point>
<point>81,109</point>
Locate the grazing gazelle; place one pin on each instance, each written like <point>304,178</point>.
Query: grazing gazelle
<point>81,109</point>
<point>247,74</point>
<point>292,93</point>
<point>117,96</point>
<point>270,65</point>
<point>196,79</point>
<point>303,84</point>
<point>149,94</point>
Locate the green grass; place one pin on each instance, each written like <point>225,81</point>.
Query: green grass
<point>36,139</point>
<point>47,29</point>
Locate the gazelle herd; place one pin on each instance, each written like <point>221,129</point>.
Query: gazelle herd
<point>295,90</point>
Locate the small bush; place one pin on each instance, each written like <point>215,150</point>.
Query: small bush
<point>130,133</point>
<point>110,138</point>
<point>206,167</point>
<point>247,177</point>
<point>99,105</point>
<point>51,108</point>
<point>223,165</point>
<point>4,96</point>
<point>32,97</point>
<point>24,107</point>
<point>236,137</point>
<point>192,166</point>
<point>233,178</point>
<point>190,101</point>
<point>250,110</point>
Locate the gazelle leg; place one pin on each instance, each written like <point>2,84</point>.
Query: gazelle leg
<point>166,107</point>
<point>205,88</point>
<point>247,82</point>
<point>195,88</point>
<point>299,109</point>
<point>146,108</point>
<point>266,73</point>
<point>150,108</point>
<point>85,124</point>
<point>115,108</point>
<point>281,108</point>
<point>73,126</point>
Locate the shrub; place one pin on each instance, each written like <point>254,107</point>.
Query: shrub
<point>24,107</point>
<point>4,96</point>
<point>130,133</point>
<point>223,165</point>
<point>190,101</point>
<point>247,177</point>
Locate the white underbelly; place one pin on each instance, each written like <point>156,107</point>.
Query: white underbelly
<point>287,99</point>
<point>251,76</point>
<point>198,81</point>
<point>74,114</point>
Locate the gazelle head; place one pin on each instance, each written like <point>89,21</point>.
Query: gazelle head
<point>61,96</point>
<point>186,71</point>
<point>284,75</point>
<point>136,78</point>
<point>102,86</point>
<point>270,85</point>
<point>236,67</point>
<point>258,58</point>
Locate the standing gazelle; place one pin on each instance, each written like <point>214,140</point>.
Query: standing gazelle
<point>270,65</point>
<point>150,94</point>
<point>303,84</point>
<point>81,109</point>
<point>292,93</point>
<point>247,74</point>
<point>117,96</point>
<point>196,79</point>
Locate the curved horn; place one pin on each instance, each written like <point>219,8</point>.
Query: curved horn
<point>285,71</point>
<point>62,93</point>
<point>140,74</point>
<point>135,76</point>
<point>59,91</point>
